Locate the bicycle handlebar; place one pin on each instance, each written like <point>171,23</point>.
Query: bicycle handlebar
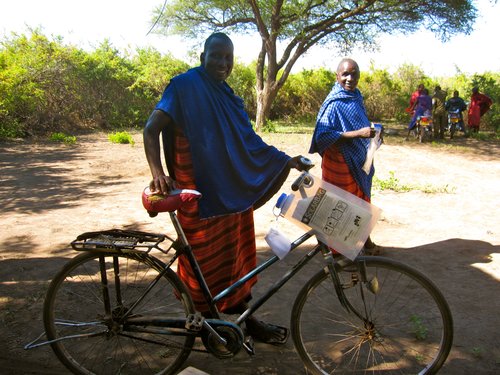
<point>154,202</point>
<point>305,164</point>
<point>305,178</point>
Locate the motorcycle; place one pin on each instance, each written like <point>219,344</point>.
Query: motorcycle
<point>455,122</point>
<point>423,128</point>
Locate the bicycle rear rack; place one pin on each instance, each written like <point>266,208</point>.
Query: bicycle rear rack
<point>118,239</point>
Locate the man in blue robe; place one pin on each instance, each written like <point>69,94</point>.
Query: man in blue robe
<point>209,145</point>
<point>342,137</point>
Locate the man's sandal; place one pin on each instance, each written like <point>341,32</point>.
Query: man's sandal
<point>267,333</point>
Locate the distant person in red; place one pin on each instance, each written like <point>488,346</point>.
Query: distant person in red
<point>479,105</point>
<point>413,99</point>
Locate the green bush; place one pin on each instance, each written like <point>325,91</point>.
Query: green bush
<point>47,86</point>
<point>302,95</point>
<point>61,137</point>
<point>242,81</point>
<point>121,137</point>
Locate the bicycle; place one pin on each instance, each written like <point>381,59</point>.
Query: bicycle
<point>117,308</point>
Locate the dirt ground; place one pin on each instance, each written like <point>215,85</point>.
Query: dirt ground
<point>50,193</point>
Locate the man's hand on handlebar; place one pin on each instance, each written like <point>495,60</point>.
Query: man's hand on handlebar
<point>300,163</point>
<point>162,184</point>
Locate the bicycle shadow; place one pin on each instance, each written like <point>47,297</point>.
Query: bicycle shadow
<point>468,273</point>
<point>451,264</point>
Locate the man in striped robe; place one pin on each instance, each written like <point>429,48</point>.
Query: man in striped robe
<point>209,145</point>
<point>342,136</point>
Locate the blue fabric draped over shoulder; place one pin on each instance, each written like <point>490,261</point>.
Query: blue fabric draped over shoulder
<point>343,111</point>
<point>233,166</point>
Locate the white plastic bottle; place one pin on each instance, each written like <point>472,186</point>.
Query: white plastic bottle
<point>340,219</point>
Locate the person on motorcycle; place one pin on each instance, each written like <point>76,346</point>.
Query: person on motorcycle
<point>439,116</point>
<point>457,105</point>
<point>422,107</point>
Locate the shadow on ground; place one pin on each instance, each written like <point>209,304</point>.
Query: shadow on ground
<point>450,264</point>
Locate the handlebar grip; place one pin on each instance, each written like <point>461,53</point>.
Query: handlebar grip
<point>305,163</point>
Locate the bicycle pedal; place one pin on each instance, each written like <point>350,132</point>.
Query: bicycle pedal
<point>249,345</point>
<point>194,322</point>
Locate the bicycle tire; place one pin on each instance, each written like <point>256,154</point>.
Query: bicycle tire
<point>406,326</point>
<point>74,305</point>
<point>421,134</point>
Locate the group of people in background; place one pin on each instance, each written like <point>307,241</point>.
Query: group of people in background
<point>422,104</point>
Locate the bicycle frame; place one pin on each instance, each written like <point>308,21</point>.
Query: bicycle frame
<point>185,249</point>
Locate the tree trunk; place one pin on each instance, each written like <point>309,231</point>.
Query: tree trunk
<point>261,114</point>
<point>265,98</point>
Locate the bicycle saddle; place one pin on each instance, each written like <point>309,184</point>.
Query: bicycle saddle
<point>156,202</point>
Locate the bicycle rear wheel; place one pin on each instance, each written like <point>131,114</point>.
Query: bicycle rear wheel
<point>453,129</point>
<point>401,324</point>
<point>100,309</point>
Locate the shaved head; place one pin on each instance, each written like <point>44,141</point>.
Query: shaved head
<point>345,61</point>
<point>348,74</point>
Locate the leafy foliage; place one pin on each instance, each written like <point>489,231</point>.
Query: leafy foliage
<point>49,87</point>
<point>242,81</point>
<point>61,137</point>
<point>393,183</point>
<point>121,138</point>
<point>303,94</point>
<point>153,71</point>
<point>419,329</point>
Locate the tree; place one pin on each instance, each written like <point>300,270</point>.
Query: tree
<point>295,26</point>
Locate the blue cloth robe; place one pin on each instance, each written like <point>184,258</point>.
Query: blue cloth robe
<point>233,166</point>
<point>343,111</point>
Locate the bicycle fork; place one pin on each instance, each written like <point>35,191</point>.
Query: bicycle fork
<point>358,276</point>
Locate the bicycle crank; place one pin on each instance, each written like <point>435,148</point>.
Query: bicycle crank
<point>221,338</point>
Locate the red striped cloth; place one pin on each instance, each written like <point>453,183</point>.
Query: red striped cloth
<point>224,246</point>
<point>336,171</point>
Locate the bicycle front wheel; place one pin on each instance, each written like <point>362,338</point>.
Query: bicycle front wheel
<point>397,321</point>
<point>112,313</point>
